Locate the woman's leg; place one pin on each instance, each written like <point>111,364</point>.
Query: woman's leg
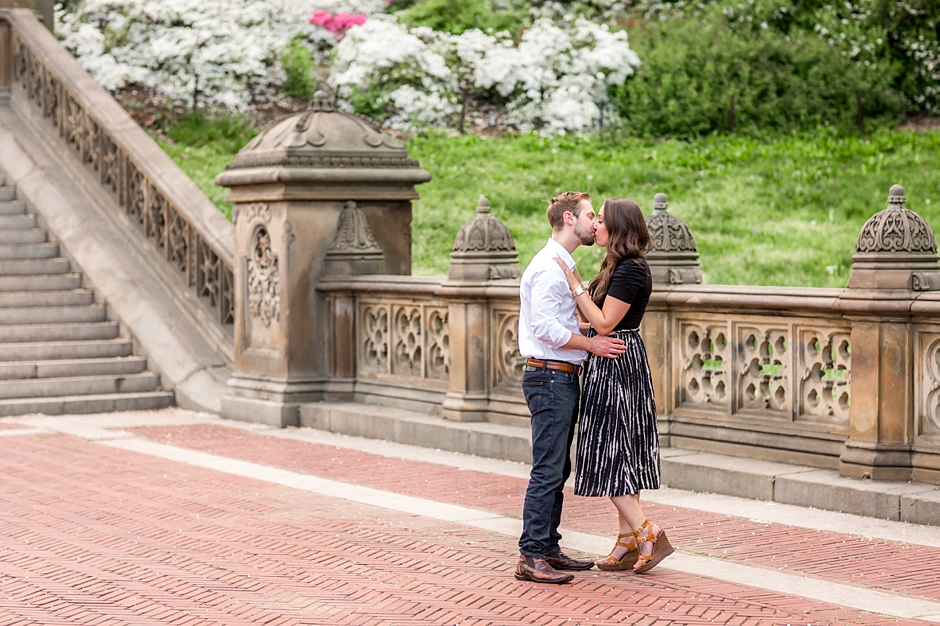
<point>631,517</point>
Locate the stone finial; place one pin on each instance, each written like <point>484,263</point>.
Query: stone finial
<point>322,101</point>
<point>484,249</point>
<point>355,250</point>
<point>673,257</point>
<point>896,229</point>
<point>484,233</point>
<point>896,249</point>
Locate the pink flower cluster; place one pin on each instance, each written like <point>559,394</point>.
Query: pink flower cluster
<point>337,24</point>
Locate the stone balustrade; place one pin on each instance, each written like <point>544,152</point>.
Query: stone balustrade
<point>170,210</point>
<point>314,281</point>
<point>834,378</point>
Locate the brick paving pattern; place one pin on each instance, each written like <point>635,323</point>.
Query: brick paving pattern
<point>93,536</point>
<point>837,557</point>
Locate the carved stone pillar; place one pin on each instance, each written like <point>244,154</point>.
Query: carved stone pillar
<point>318,191</point>
<point>896,257</point>
<point>484,254</point>
<point>673,260</point>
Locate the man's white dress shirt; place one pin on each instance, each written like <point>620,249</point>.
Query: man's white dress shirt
<point>546,318</point>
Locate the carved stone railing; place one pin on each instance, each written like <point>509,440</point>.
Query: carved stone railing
<point>391,339</point>
<point>186,228</point>
<point>740,367</point>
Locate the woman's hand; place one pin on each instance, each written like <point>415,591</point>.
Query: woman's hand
<point>573,280</point>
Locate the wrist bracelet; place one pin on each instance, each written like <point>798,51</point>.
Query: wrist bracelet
<point>577,291</point>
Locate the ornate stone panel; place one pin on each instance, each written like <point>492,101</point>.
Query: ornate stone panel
<point>437,344</point>
<point>927,385</point>
<point>403,339</point>
<point>763,364</point>
<point>408,341</point>
<point>509,363</point>
<point>825,369</point>
<point>704,361</point>
<point>374,338</point>
<point>264,288</point>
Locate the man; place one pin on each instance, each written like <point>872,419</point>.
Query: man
<point>550,339</point>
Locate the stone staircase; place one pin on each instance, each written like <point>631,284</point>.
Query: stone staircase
<point>59,353</point>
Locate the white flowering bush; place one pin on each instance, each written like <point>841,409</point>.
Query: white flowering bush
<point>422,78</point>
<point>225,52</point>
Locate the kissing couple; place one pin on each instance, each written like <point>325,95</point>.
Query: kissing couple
<point>618,439</point>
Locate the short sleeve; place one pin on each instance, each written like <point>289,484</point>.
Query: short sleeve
<point>628,280</point>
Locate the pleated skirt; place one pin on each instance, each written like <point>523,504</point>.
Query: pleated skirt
<point>618,438</point>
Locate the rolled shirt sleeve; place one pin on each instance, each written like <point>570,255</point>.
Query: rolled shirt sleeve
<point>549,293</point>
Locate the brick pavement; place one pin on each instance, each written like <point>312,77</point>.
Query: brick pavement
<point>93,535</point>
<point>891,566</point>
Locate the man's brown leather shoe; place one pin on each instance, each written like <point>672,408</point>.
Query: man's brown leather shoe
<point>538,571</point>
<point>560,560</point>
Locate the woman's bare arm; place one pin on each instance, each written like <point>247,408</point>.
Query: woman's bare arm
<point>603,320</point>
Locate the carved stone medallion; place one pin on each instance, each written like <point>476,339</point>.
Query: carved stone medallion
<point>263,281</point>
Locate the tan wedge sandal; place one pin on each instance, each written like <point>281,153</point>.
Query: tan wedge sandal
<point>610,563</point>
<point>661,547</point>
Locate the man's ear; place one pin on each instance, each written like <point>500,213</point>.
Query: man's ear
<point>568,214</point>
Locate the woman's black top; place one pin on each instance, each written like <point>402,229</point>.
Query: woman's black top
<point>631,283</point>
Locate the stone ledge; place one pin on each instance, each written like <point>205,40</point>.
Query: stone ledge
<point>691,470</point>
<point>379,422</point>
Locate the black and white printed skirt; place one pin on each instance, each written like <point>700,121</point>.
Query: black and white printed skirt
<point>618,439</point>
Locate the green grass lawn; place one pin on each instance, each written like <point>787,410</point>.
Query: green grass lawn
<point>778,211</point>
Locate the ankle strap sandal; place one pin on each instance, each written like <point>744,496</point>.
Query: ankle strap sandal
<point>661,547</point>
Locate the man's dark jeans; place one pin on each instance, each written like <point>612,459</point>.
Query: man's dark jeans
<point>553,401</point>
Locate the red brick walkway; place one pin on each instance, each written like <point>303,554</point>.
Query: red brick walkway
<point>892,566</point>
<point>91,535</point>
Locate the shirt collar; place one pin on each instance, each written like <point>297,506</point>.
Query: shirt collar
<point>560,251</point>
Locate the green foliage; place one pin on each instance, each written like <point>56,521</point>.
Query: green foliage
<point>785,210</point>
<point>227,132</point>
<point>457,16</point>
<point>298,65</point>
<point>895,42</point>
<point>693,65</point>
<point>203,144</point>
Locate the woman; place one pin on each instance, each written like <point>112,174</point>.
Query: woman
<point>618,441</point>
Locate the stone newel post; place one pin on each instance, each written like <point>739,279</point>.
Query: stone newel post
<point>673,260</point>
<point>484,254</point>
<point>896,257</point>
<point>321,191</point>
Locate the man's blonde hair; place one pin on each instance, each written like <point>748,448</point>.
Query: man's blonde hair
<point>568,201</point>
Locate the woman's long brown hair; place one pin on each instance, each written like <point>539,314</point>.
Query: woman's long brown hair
<point>628,239</point>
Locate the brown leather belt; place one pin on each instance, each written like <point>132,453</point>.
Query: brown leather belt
<point>561,366</point>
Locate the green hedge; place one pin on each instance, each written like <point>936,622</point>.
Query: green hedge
<point>692,68</point>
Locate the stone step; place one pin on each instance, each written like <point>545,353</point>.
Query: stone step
<point>29,251</point>
<point>23,235</point>
<point>120,366</point>
<point>38,282</point>
<point>98,403</point>
<point>74,297</point>
<point>58,332</point>
<point>53,315</point>
<point>17,221</point>
<point>497,441</point>
<point>12,208</point>
<point>35,266</point>
<point>78,386</point>
<point>65,350</point>
<point>7,192</point>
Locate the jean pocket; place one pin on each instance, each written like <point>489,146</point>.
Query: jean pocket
<point>533,395</point>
